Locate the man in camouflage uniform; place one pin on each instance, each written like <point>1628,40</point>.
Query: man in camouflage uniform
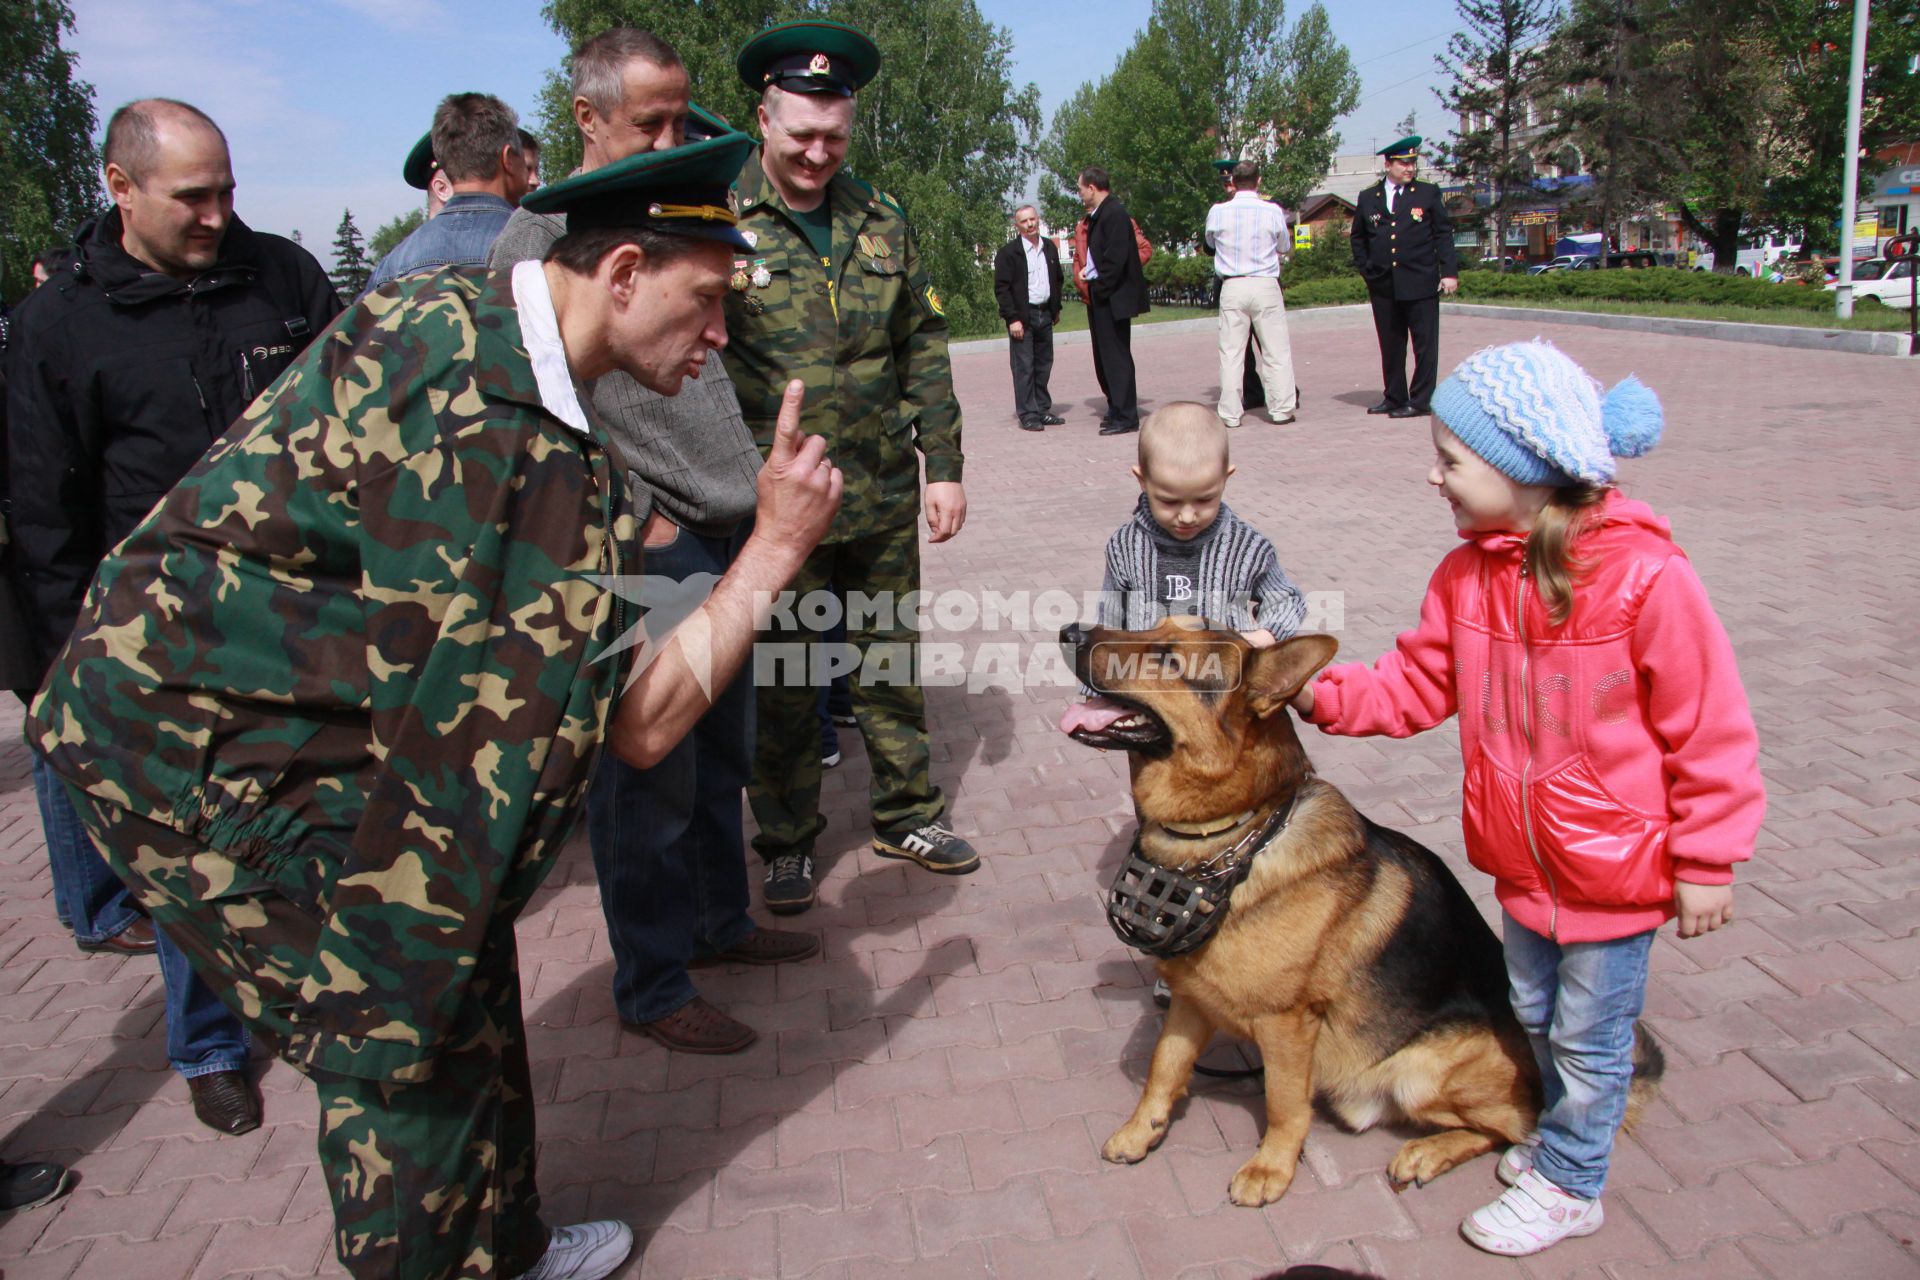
<point>333,706</point>
<point>833,293</point>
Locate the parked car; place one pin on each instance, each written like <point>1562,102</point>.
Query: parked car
<point>1566,261</point>
<point>1885,280</point>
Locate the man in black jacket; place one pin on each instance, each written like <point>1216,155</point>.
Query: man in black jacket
<point>169,318</point>
<point>1403,244</point>
<point>1118,293</point>
<point>1026,284</point>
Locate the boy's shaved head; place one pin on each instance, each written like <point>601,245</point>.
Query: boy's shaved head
<point>1183,438</point>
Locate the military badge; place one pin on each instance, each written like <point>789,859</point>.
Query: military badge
<point>750,237</point>
<point>1417,213</point>
<point>819,66</point>
<point>739,279</point>
<point>933,303</point>
<point>761,276</point>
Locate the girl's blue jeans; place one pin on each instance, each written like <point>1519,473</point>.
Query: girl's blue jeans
<point>1578,1002</point>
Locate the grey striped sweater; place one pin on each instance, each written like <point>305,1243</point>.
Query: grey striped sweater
<point>1228,574</point>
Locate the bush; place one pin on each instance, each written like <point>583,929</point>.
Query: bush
<point>1654,284</point>
<point>1328,257</point>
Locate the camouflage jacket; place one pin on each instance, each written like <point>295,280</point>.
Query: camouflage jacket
<point>354,651</point>
<point>868,338</point>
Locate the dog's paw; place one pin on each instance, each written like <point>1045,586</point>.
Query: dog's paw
<point>1259,1183</point>
<point>1131,1143</point>
<point>1423,1159</point>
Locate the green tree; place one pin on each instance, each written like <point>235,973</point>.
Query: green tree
<point>389,234</point>
<point>1497,66</point>
<point>350,265</point>
<point>49,170</point>
<point>943,129</point>
<point>1601,74</point>
<point>1205,78</point>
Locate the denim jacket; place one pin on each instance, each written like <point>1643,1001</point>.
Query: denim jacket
<point>458,236</point>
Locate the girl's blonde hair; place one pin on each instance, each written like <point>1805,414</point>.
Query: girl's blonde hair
<point>1570,512</point>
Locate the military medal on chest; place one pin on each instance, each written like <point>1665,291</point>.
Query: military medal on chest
<point>748,276</point>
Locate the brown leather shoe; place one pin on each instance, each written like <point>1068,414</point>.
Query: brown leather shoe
<point>698,1027</point>
<point>134,940</point>
<point>224,1102</point>
<point>763,946</point>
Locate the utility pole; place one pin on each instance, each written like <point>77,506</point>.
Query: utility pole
<point>1856,79</point>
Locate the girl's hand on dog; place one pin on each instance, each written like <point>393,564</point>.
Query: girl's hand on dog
<point>1302,702</point>
<point>1702,907</point>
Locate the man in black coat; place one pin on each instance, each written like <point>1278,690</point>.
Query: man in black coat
<point>1403,245</point>
<point>1026,284</point>
<point>1118,291</point>
<point>167,320</point>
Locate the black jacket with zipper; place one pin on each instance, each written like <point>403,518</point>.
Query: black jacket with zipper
<point>119,378</point>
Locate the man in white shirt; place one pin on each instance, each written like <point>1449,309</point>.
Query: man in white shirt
<point>1248,238</point>
<point>1026,284</point>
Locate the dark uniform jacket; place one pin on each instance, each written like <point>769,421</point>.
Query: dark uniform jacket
<point>1405,254</point>
<point>1121,285</point>
<point>119,378</point>
<point>868,337</point>
<point>1010,279</point>
<point>362,650</point>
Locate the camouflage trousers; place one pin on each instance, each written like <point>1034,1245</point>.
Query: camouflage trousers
<point>887,700</point>
<point>429,1180</point>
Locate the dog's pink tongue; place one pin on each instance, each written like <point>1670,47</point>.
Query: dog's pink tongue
<point>1094,715</point>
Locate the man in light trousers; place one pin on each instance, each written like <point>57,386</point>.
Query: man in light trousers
<point>1248,237</point>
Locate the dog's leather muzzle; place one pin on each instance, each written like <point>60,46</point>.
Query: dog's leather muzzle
<point>1168,913</point>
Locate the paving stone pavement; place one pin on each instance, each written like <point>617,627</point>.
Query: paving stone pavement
<point>928,1097</point>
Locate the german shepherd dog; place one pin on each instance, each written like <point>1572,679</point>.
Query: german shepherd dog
<point>1349,955</point>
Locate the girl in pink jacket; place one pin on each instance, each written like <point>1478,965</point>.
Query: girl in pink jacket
<point>1611,761</point>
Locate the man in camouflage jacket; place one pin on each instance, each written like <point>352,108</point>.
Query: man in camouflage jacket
<point>833,293</point>
<point>333,706</point>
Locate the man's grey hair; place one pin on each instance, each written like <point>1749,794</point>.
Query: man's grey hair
<point>599,65</point>
<point>133,133</point>
<point>470,130</point>
<point>1020,209</point>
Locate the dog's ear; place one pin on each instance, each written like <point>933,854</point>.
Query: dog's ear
<point>1276,673</point>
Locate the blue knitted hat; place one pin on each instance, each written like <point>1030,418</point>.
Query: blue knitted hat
<point>1537,418</point>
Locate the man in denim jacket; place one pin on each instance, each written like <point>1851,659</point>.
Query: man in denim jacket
<point>476,143</point>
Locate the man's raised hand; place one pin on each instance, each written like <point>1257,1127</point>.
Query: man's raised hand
<point>799,487</point>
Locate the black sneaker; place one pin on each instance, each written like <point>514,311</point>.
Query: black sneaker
<point>932,845</point>
<point>789,887</point>
<point>22,1186</point>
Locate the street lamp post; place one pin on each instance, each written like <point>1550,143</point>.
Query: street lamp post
<point>1856,77</point>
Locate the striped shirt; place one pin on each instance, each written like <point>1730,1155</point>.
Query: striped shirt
<point>1246,234</point>
<point>1227,574</point>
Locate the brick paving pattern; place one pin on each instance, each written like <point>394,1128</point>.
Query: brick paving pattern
<point>929,1096</point>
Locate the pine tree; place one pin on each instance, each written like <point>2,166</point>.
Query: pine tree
<point>1497,66</point>
<point>350,265</point>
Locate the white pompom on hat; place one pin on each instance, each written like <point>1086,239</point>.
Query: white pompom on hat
<point>1537,418</point>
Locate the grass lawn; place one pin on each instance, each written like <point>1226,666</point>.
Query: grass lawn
<point>1869,315</point>
<point>1073,315</point>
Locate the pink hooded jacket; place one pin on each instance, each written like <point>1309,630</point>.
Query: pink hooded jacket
<point>1604,758</point>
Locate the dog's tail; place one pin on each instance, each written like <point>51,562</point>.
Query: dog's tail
<point>1649,1066</point>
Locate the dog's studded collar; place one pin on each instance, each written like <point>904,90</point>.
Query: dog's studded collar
<point>1201,830</point>
<point>1168,913</point>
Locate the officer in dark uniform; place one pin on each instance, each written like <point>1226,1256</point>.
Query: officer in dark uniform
<point>1403,245</point>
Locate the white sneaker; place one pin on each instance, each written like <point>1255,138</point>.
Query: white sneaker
<point>1517,1159</point>
<point>1529,1216</point>
<point>587,1251</point>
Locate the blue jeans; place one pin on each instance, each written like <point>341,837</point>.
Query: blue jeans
<point>667,842</point>
<point>1578,1002</point>
<point>203,1036</point>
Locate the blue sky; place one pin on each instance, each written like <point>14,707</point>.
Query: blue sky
<point>322,98</point>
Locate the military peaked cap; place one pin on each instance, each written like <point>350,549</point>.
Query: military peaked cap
<point>418,170</point>
<point>703,124</point>
<point>1407,148</point>
<point>810,55</point>
<point>686,191</point>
